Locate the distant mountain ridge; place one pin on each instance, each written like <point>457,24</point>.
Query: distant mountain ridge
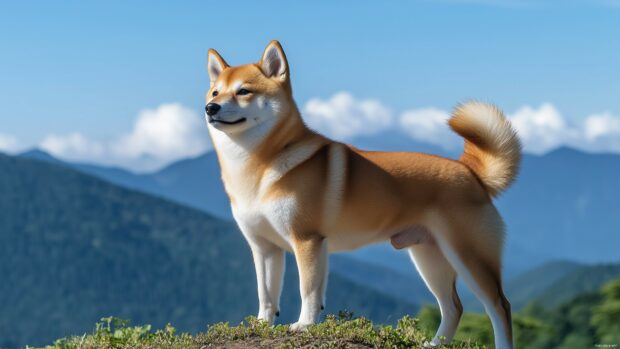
<point>531,284</point>
<point>552,284</point>
<point>193,182</point>
<point>562,206</point>
<point>74,248</point>
<point>582,280</point>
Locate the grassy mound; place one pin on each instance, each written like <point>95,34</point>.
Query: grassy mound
<point>341,331</point>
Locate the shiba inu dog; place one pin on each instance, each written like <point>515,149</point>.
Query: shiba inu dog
<point>292,189</point>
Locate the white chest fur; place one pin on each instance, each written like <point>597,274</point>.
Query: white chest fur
<point>269,221</point>
<point>258,218</point>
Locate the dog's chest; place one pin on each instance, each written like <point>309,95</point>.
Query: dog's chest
<point>256,210</point>
<point>255,213</point>
<point>270,220</point>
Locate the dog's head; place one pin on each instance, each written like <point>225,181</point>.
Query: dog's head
<point>245,96</point>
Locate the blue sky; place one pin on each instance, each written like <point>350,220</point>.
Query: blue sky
<point>93,67</point>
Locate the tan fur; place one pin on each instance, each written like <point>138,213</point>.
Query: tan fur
<point>343,197</point>
<point>306,248</point>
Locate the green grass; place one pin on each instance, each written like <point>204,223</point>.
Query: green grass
<point>341,331</point>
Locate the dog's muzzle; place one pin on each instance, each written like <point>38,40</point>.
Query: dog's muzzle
<point>212,109</point>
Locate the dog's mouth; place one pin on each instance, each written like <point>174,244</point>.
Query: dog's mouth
<point>213,120</point>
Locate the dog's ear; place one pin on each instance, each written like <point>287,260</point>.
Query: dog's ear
<point>273,63</point>
<point>215,65</point>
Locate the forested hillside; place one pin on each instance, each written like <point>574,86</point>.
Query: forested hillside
<point>74,248</point>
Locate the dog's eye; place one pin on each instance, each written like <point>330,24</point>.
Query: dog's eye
<point>243,92</point>
<point>215,93</point>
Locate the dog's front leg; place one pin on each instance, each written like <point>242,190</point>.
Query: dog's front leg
<point>269,264</point>
<point>311,257</point>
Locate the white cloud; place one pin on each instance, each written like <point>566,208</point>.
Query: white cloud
<point>541,128</point>
<point>544,128</point>
<point>172,132</point>
<point>429,125</point>
<point>8,143</point>
<point>602,132</point>
<point>168,132</point>
<point>344,117</point>
<point>74,146</point>
<point>159,136</point>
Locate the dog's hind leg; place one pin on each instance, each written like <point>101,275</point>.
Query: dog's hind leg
<point>472,246</point>
<point>440,278</point>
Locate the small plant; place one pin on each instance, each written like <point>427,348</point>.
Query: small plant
<point>112,332</point>
<point>117,331</point>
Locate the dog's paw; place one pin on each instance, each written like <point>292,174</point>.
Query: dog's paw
<point>267,315</point>
<point>298,327</point>
<point>432,344</point>
<point>267,319</point>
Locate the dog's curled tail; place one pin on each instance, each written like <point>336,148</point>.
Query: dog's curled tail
<point>492,147</point>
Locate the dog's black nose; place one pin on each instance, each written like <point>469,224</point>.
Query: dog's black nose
<point>212,108</point>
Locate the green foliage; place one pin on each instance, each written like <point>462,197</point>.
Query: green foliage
<point>583,322</point>
<point>530,332</point>
<point>606,316</point>
<point>430,317</point>
<point>343,331</point>
<point>113,333</point>
<point>475,326</point>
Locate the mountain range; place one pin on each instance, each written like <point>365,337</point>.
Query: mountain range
<point>563,205</point>
<point>551,284</point>
<point>74,248</point>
